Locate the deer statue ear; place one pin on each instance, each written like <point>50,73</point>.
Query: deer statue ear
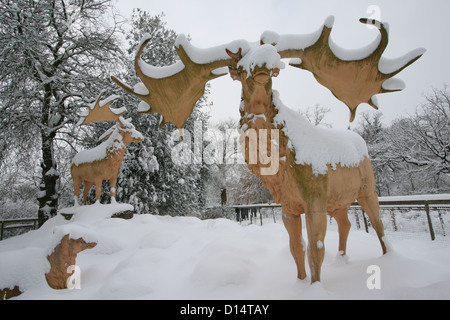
<point>275,72</point>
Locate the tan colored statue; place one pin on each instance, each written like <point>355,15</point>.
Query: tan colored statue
<point>62,257</point>
<point>103,162</point>
<point>319,170</point>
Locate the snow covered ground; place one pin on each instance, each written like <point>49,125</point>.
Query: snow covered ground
<point>162,257</point>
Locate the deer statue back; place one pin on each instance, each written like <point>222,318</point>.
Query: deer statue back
<point>317,170</point>
<point>103,162</point>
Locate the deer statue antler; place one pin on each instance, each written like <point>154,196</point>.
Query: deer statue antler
<point>101,111</point>
<point>355,76</point>
<point>174,90</point>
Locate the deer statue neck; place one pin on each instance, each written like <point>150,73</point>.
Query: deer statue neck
<point>115,146</point>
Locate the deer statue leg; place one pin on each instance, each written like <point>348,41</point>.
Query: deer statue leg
<point>293,226</point>
<point>98,191</point>
<point>113,183</point>
<point>316,226</point>
<point>369,203</point>
<point>344,225</point>
<point>76,189</point>
<point>87,188</point>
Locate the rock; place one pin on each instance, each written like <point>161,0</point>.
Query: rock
<point>8,293</point>
<point>63,256</point>
<point>123,211</point>
<point>124,214</point>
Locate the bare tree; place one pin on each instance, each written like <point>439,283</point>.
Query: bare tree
<point>421,143</point>
<point>316,115</point>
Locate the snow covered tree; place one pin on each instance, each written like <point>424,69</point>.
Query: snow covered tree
<point>54,53</point>
<point>150,180</point>
<point>422,143</point>
<point>371,129</point>
<point>411,155</point>
<point>223,148</point>
<point>250,188</point>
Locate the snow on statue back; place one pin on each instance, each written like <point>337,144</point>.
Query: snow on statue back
<point>319,170</point>
<point>103,162</point>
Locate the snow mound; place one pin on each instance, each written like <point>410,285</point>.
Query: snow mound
<point>162,257</point>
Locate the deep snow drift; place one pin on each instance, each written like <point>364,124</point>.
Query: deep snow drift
<point>162,257</point>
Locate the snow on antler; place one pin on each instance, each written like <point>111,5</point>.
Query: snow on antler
<point>101,110</point>
<point>174,90</point>
<point>353,76</point>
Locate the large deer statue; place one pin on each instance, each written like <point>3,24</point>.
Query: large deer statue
<point>320,170</point>
<point>103,162</point>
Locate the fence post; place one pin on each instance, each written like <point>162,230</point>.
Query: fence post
<point>1,230</point>
<point>430,225</point>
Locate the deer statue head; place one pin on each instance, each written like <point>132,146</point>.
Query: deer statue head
<point>103,162</point>
<point>255,71</point>
<point>320,170</point>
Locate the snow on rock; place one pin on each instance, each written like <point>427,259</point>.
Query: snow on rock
<point>316,146</point>
<point>162,257</point>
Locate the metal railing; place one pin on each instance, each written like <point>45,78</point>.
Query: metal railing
<point>425,204</point>
<point>17,224</point>
<point>421,205</point>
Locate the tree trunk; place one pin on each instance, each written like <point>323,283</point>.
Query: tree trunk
<point>48,196</point>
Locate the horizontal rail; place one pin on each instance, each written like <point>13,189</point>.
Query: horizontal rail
<point>3,224</point>
<point>407,203</point>
<point>384,202</point>
<point>19,220</point>
<point>394,203</point>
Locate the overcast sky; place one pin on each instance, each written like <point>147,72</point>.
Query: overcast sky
<point>412,24</point>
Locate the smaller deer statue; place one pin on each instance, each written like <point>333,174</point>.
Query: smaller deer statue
<point>103,162</point>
